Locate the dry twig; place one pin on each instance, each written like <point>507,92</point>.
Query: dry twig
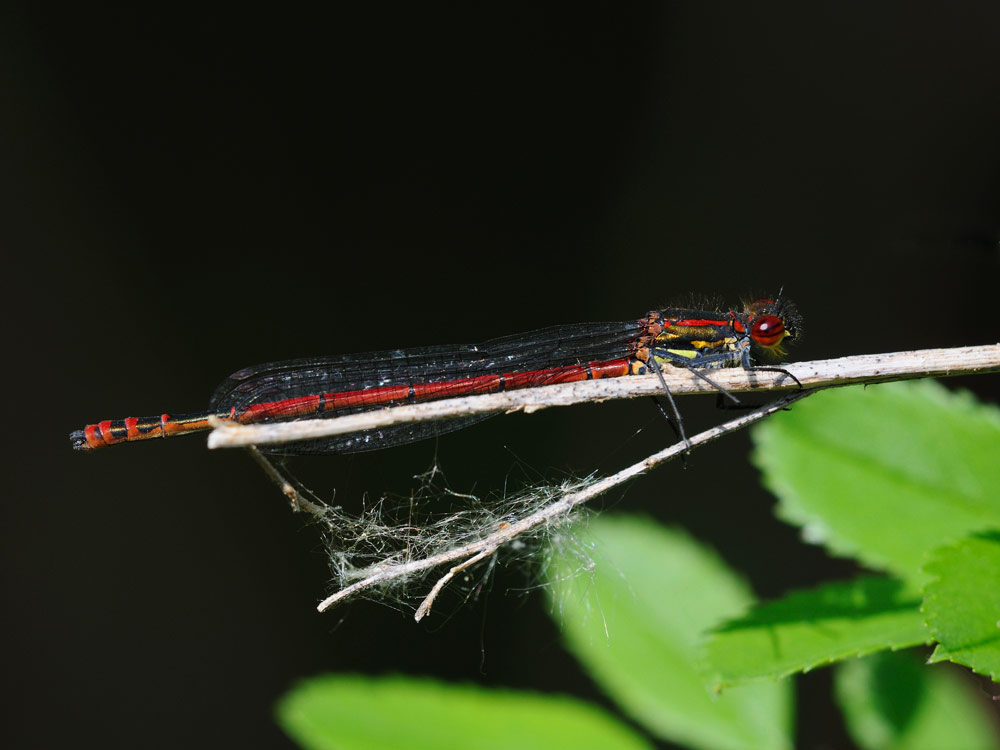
<point>865,368</point>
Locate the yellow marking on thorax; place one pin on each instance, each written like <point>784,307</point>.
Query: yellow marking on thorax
<point>686,353</point>
<point>729,342</point>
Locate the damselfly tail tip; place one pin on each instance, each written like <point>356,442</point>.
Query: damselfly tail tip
<point>78,438</point>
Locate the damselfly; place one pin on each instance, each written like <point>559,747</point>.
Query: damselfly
<point>334,386</point>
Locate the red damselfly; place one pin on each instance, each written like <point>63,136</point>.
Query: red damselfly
<point>334,386</point>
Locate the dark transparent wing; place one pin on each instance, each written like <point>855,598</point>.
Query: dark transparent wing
<point>371,440</point>
<point>443,366</point>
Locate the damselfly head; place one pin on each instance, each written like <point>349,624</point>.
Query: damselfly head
<point>773,322</point>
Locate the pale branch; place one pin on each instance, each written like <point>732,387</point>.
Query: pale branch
<point>865,368</point>
<point>428,602</point>
<point>470,553</point>
<point>299,498</point>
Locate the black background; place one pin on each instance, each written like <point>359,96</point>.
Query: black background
<point>192,192</point>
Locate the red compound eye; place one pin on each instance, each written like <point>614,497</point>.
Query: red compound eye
<point>768,331</point>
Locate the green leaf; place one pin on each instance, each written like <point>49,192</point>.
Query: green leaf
<point>347,712</point>
<point>962,603</point>
<point>807,629</point>
<point>884,474</point>
<point>892,701</point>
<point>633,609</point>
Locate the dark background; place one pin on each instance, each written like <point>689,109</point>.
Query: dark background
<point>190,193</point>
